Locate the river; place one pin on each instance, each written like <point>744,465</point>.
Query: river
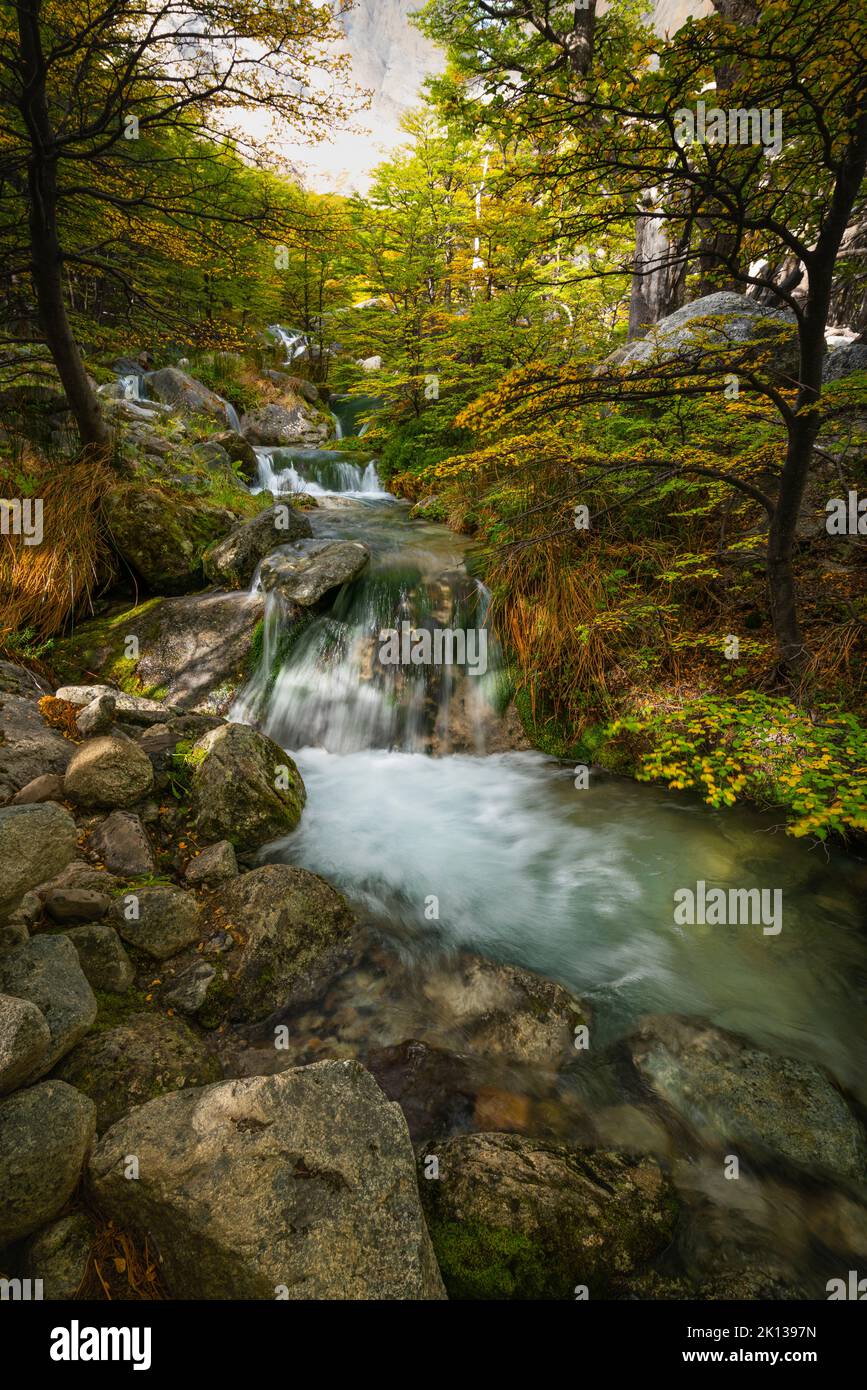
<point>447,842</point>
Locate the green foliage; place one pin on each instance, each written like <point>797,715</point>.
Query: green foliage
<point>761,747</point>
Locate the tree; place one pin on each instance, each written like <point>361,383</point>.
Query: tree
<point>92,97</point>
<point>604,101</point>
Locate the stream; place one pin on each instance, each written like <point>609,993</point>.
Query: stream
<point>448,839</point>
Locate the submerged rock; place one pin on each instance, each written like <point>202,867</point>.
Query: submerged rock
<point>45,1134</point>
<point>144,1057</point>
<point>732,1093</point>
<point>519,1218</point>
<point>300,1185</point>
<point>306,571</point>
<point>244,788</point>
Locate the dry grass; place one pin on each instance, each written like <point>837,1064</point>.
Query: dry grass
<point>43,586</point>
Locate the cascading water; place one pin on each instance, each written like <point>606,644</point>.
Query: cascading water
<point>524,864</point>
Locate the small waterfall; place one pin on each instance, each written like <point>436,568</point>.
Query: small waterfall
<point>319,472</point>
<point>295,344</point>
<point>335,690</point>
<point>232,418</point>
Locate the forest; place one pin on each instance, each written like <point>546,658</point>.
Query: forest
<point>572,388</point>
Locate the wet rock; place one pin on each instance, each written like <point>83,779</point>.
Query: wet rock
<point>518,1218</point>
<point>433,1087</point>
<point>232,561</point>
<point>45,1134</point>
<point>297,931</point>
<point>24,1041</point>
<point>122,843</point>
<point>159,920</point>
<point>98,716</point>
<point>48,787</point>
<point>215,865</point>
<point>35,842</point>
<point>59,1255</point>
<point>101,956</point>
<point>244,788</point>
<point>108,772</point>
<point>307,570</point>
<point>74,904</point>
<point>45,971</point>
<point>299,1185</point>
<point>505,1011</point>
<point>144,1057</point>
<point>734,1094</point>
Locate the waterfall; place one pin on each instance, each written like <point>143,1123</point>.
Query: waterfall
<point>294,343</point>
<point>319,472</point>
<point>232,419</point>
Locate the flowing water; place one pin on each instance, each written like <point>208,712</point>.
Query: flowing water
<point>416,795</point>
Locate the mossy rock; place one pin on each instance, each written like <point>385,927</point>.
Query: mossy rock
<point>519,1218</point>
<point>161,535</point>
<point>243,788</point>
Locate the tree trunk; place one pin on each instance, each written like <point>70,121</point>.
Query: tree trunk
<point>45,251</point>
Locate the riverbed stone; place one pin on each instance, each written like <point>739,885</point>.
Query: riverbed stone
<point>29,748</point>
<point>165,919</point>
<point>144,1057</point>
<point>24,1040</point>
<point>232,562</point>
<point>297,933</point>
<point>735,1094</point>
<point>299,1185</point>
<point>122,843</point>
<point>244,788</point>
<point>35,842</point>
<point>74,904</point>
<point>216,864</point>
<point>288,423</point>
<point>307,570</point>
<point>512,1217</point>
<point>108,772</point>
<point>45,970</point>
<point>101,956</point>
<point>48,787</point>
<point>97,717</point>
<point>45,1134</point>
<point>59,1255</point>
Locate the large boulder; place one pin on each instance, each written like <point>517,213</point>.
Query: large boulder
<point>734,1094</point>
<point>505,1011</point>
<point>241,452</point>
<point>306,571</point>
<point>29,748</point>
<point>232,562</point>
<point>45,1134</point>
<point>45,971</point>
<point>518,1218</point>
<point>162,535</point>
<point>108,772</point>
<point>59,1255</point>
<point>195,650</point>
<point>299,1186</point>
<point>843,360</point>
<point>718,323</point>
<point>24,1040</point>
<point>36,842</point>
<point>297,933</point>
<point>144,1057</point>
<point>244,788</point>
<point>160,920</point>
<point>177,388</point>
<point>292,422</point>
